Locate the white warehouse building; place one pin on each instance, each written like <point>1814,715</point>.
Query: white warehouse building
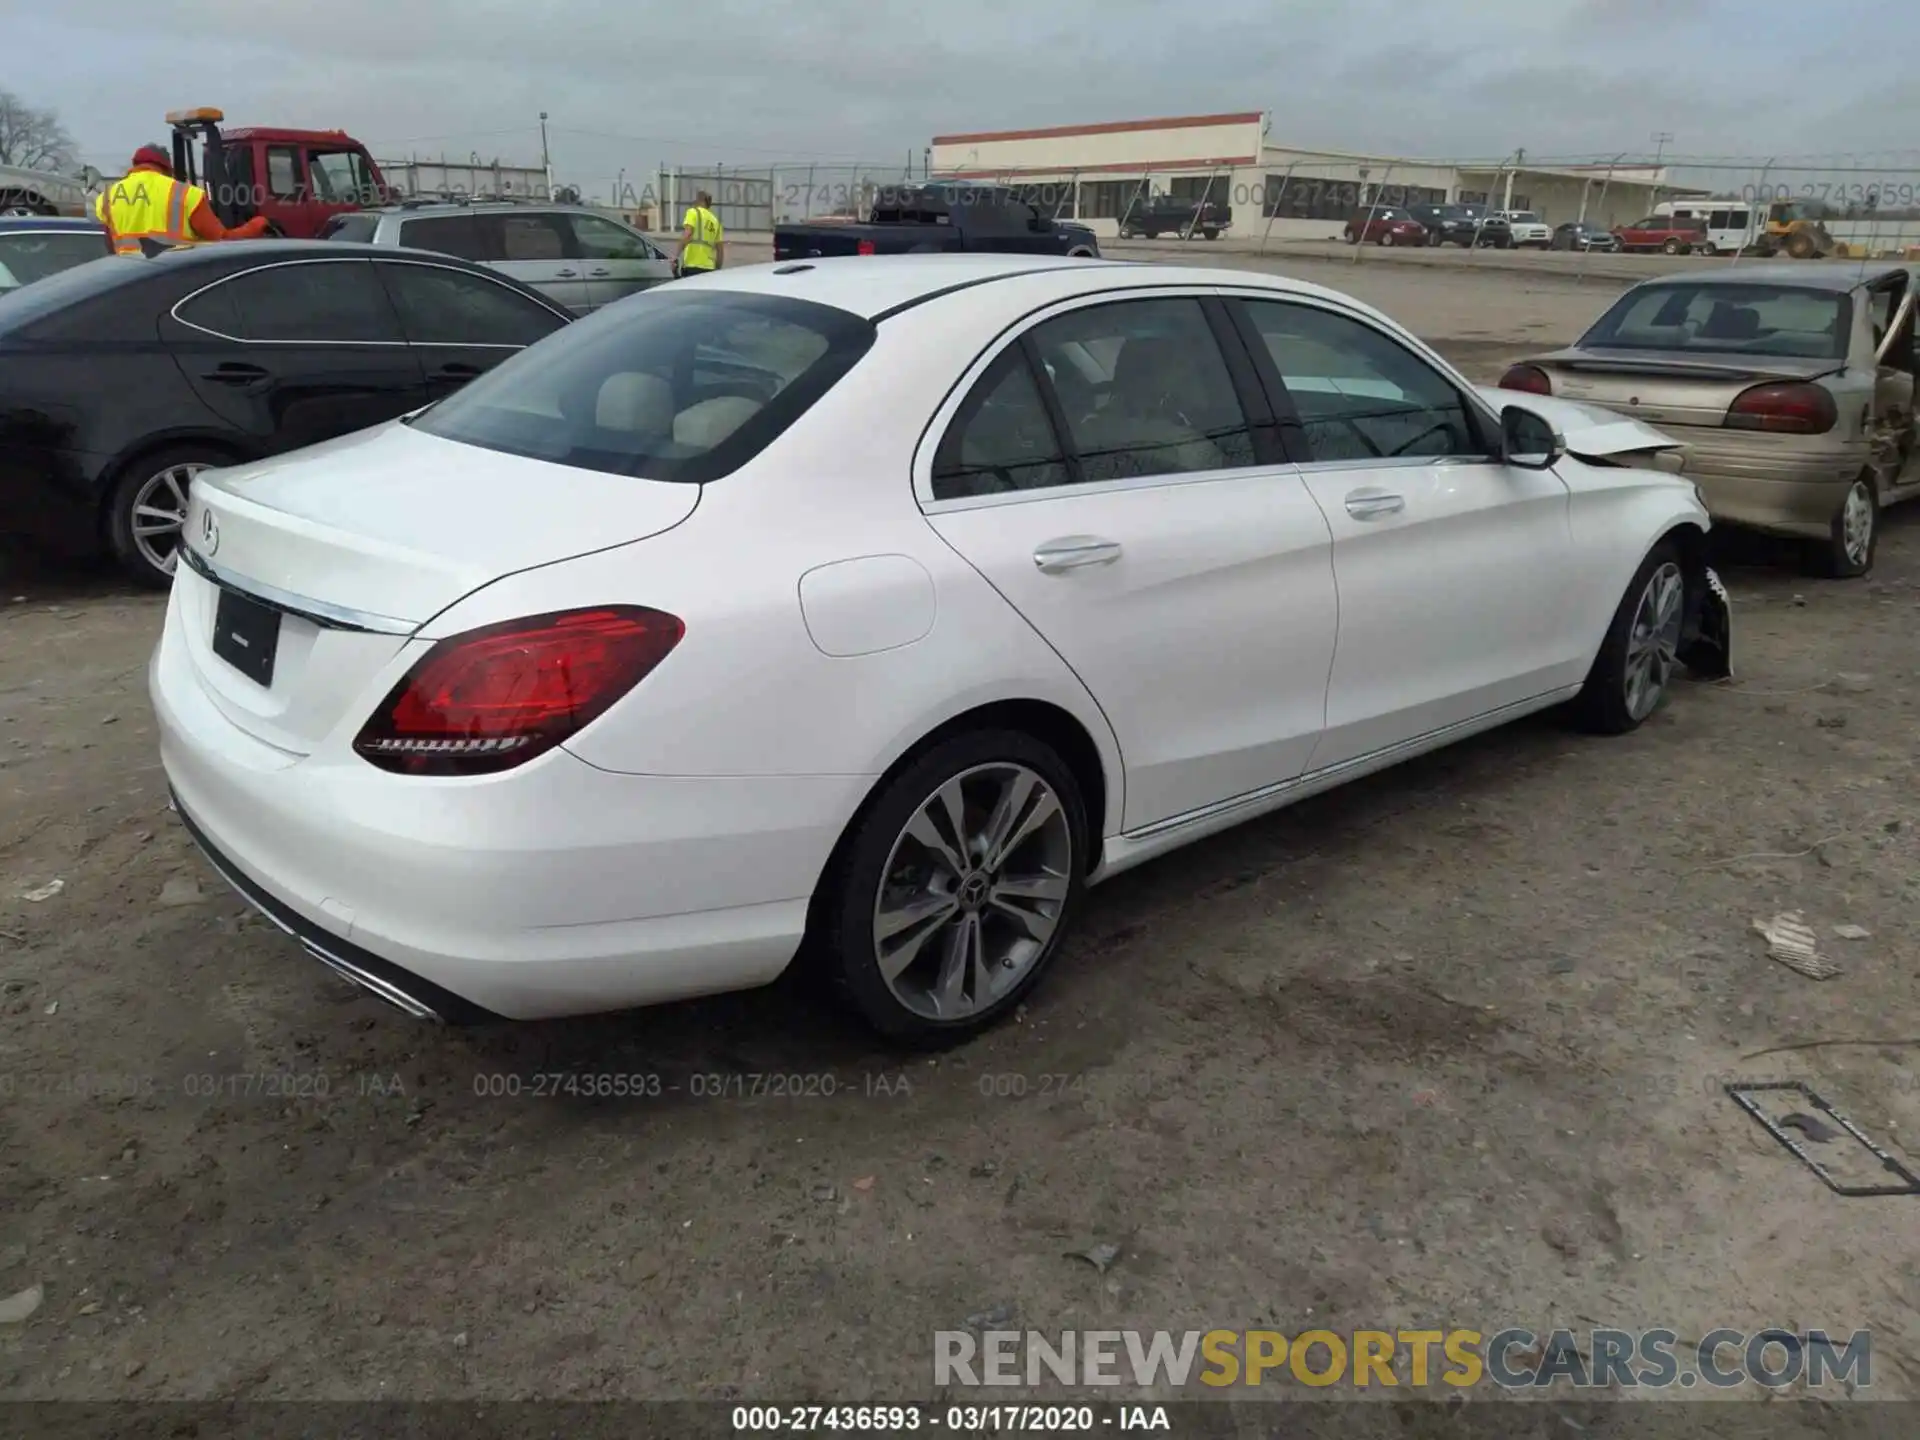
<point>1094,173</point>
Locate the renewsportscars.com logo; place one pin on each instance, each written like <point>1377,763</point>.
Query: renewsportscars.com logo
<point>1513,1359</point>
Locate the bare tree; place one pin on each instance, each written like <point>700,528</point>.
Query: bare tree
<point>32,138</point>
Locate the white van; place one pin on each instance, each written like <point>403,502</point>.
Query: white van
<point>1731,224</point>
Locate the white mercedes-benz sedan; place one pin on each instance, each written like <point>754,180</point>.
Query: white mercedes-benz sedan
<point>881,604</point>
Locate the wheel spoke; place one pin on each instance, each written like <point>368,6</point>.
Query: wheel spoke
<point>895,962</point>
<point>917,911</point>
<point>963,939</point>
<point>927,833</point>
<point>1045,886</point>
<point>1044,811</point>
<point>1007,813</point>
<point>172,480</point>
<point>1034,926</point>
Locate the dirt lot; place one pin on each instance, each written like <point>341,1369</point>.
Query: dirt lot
<point>1444,1048</point>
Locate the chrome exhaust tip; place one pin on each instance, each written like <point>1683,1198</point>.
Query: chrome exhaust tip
<point>380,989</point>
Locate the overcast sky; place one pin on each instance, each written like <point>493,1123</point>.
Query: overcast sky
<point>754,81</point>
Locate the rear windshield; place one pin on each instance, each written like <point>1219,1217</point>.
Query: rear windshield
<point>29,255</point>
<point>683,385</point>
<point>65,290</point>
<point>1727,319</point>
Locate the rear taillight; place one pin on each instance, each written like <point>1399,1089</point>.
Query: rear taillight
<point>865,247</point>
<point>1790,408</point>
<point>496,697</point>
<point>1529,378</point>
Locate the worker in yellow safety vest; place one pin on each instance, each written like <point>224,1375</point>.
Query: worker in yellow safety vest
<point>703,246</point>
<point>149,203</point>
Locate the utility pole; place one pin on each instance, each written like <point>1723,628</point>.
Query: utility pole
<point>546,160</point>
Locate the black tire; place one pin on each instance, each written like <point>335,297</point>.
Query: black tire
<point>1602,707</point>
<point>850,892</point>
<point>136,476</point>
<point>1831,558</point>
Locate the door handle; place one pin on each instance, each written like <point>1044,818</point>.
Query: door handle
<point>1074,551</point>
<point>233,372</point>
<point>456,370</point>
<point>599,272</point>
<point>565,274</point>
<point>1371,504</point>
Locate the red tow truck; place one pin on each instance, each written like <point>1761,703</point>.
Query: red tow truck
<point>298,179</point>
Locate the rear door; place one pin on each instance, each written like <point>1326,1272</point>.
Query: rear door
<point>618,261</point>
<point>537,248</point>
<point>1112,474</point>
<point>461,324</point>
<point>294,352</point>
<point>1451,565</point>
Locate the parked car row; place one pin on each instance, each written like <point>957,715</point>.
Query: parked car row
<point>1471,226</point>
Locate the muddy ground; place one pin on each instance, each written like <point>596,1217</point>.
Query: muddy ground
<point>1444,1048</point>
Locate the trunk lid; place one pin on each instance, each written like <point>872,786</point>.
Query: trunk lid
<point>1663,388</point>
<point>356,543</point>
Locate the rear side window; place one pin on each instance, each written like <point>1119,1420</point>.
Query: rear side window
<point>684,387</point>
<point>456,235</point>
<point>1002,438</point>
<point>442,306</point>
<point>358,229</point>
<point>332,301</point>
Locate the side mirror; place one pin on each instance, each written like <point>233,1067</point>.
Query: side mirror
<point>1528,441</point>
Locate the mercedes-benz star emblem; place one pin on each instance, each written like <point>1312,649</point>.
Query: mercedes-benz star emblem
<point>209,532</point>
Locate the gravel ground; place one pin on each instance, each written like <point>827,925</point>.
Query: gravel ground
<point>1443,1048</point>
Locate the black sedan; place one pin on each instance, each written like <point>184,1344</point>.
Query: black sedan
<point>122,379</point>
<point>1579,235</point>
<point>32,247</point>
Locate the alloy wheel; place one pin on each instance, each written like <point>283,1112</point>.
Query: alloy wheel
<point>160,515</point>
<point>973,891</point>
<point>1654,640</point>
<point>1856,525</point>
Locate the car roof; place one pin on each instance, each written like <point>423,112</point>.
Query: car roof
<point>1836,276</point>
<point>875,286</point>
<point>416,208</point>
<point>57,224</point>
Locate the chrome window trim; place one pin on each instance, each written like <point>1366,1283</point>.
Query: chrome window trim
<point>320,612</point>
<point>175,314</point>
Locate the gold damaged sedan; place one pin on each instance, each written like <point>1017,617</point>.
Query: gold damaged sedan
<point>1791,387</point>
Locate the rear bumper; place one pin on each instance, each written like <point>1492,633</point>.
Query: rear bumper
<point>556,889</point>
<point>1773,483</point>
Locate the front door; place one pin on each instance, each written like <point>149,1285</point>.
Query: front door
<point>1451,565</point>
<point>294,352</point>
<point>618,262</point>
<point>1111,476</point>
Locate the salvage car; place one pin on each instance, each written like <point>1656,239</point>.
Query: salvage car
<point>943,216</point>
<point>123,379</point>
<point>542,701</point>
<point>1791,387</point>
<point>1670,234</point>
<point>1527,229</point>
<point>32,248</point>
<point>1468,226</point>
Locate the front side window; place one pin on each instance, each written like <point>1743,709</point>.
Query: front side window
<point>602,239</point>
<point>332,301</point>
<point>1144,390</point>
<point>1359,394</point>
<point>442,306</point>
<point>1747,319</point>
<point>681,387</point>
